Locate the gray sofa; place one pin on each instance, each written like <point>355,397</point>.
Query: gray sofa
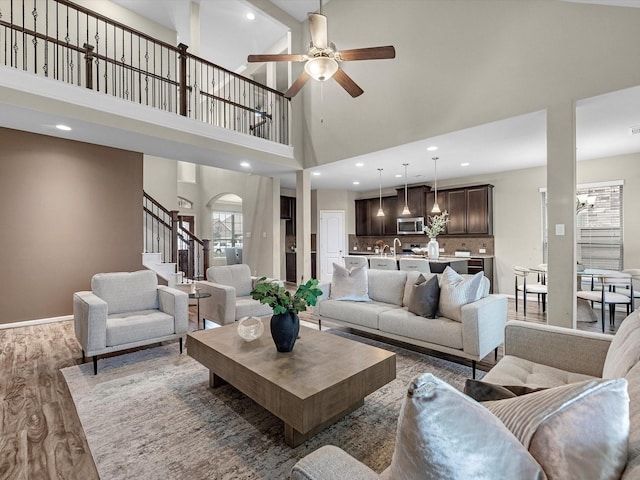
<point>480,331</point>
<point>126,310</point>
<point>536,356</point>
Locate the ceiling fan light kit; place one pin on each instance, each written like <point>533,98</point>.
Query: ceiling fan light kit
<point>322,60</point>
<point>321,68</point>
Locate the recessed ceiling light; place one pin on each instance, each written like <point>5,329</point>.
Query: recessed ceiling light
<point>63,127</point>
<point>245,164</point>
<point>356,183</point>
<point>398,175</point>
<point>465,164</point>
<point>359,164</point>
<point>432,148</point>
<point>251,16</point>
<point>317,174</point>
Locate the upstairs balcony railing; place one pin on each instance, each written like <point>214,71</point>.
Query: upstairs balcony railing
<point>67,42</point>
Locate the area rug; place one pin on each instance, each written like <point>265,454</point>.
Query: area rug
<point>151,415</point>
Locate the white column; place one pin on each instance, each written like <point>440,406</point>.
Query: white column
<point>303,226</point>
<point>561,211</point>
<point>276,252</point>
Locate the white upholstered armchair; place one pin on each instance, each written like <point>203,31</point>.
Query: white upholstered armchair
<point>126,310</point>
<point>230,288</point>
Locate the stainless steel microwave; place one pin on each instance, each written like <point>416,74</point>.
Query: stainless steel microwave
<point>410,226</point>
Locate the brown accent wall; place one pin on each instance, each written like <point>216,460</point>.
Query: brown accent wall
<point>68,210</point>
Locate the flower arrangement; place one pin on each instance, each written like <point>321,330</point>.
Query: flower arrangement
<point>281,301</point>
<point>436,224</point>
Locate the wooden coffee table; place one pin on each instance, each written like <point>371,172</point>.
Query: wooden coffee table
<point>323,379</point>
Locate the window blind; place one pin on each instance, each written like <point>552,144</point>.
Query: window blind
<point>598,228</point>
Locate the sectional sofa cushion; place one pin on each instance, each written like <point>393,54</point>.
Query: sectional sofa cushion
<point>360,313</point>
<point>441,331</point>
<point>456,291</point>
<point>624,351</point>
<point>350,284</point>
<point>579,430</point>
<point>424,297</point>
<point>387,285</point>
<point>442,433</point>
<point>520,371</point>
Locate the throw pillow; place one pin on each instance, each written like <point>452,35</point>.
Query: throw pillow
<point>624,351</point>
<point>444,434</point>
<point>350,284</point>
<point>456,291</point>
<point>484,392</point>
<point>424,297</point>
<point>580,430</point>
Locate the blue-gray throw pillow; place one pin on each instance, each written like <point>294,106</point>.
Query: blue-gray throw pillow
<point>424,298</point>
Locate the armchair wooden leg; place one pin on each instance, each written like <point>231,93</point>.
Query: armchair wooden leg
<point>84,358</point>
<point>180,345</point>
<point>495,354</point>
<point>473,369</point>
<point>95,364</point>
<point>319,324</point>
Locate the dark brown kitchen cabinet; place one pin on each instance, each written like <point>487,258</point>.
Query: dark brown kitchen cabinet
<point>456,201</point>
<point>290,266</point>
<point>480,210</point>
<point>416,198</point>
<point>367,221</point>
<point>470,209</point>
<point>288,213</point>
<point>363,217</point>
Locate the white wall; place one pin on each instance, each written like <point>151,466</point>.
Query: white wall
<point>160,180</point>
<point>257,211</point>
<point>463,63</point>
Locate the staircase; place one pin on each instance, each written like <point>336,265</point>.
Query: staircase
<point>170,250</point>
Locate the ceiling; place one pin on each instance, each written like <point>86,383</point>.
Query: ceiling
<point>603,122</point>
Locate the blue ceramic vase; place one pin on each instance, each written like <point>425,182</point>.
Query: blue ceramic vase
<point>284,330</point>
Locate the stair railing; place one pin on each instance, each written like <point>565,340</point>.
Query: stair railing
<point>62,40</point>
<point>164,234</point>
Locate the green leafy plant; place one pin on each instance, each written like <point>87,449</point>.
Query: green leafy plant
<point>436,224</point>
<point>281,300</point>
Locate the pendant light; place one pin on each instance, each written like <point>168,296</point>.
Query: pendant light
<point>380,211</point>
<point>436,207</point>
<point>405,210</point>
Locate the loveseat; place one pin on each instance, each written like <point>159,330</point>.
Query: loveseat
<point>476,330</point>
<point>125,310</point>
<point>593,431</point>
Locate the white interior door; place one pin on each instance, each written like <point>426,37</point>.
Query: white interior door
<point>332,241</point>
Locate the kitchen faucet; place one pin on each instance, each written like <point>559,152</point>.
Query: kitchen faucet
<point>395,251</point>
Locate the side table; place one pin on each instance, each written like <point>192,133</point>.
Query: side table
<point>198,296</point>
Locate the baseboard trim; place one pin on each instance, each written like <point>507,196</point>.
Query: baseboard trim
<point>41,321</point>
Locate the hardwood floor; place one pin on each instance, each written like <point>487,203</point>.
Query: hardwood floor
<point>40,433</point>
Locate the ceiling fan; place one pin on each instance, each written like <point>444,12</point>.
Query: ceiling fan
<point>322,59</point>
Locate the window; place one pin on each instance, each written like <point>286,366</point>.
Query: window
<point>598,226</point>
<point>227,231</point>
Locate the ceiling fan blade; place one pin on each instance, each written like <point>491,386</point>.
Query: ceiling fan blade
<point>318,30</point>
<point>371,53</point>
<point>347,83</point>
<point>297,85</point>
<point>276,57</point>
